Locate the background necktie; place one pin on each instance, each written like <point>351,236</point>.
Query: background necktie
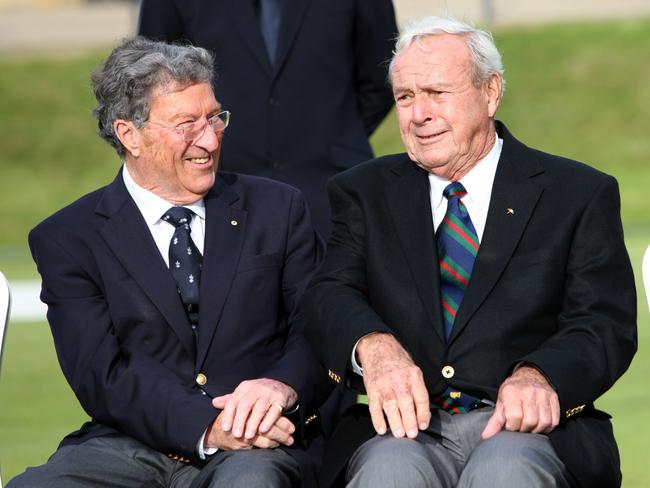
<point>458,245</point>
<point>270,13</point>
<point>185,261</point>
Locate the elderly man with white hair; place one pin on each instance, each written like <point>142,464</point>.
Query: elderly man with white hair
<point>479,291</point>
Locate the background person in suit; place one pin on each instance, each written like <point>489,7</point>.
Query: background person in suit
<point>174,330</point>
<point>480,291</point>
<point>306,80</point>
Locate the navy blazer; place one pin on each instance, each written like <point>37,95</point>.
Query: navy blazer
<point>309,115</point>
<point>122,336</point>
<point>552,285</point>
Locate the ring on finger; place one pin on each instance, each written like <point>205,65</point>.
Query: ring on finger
<point>278,406</point>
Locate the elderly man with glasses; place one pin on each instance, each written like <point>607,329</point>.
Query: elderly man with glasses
<point>170,293</point>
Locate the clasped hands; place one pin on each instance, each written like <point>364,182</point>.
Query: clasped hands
<point>251,416</point>
<point>398,398</point>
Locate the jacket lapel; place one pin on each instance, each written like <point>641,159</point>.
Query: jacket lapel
<point>409,203</point>
<point>245,20</point>
<point>127,235</point>
<point>225,228</point>
<point>514,196</point>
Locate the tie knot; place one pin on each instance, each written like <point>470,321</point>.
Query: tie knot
<point>178,216</point>
<point>454,190</point>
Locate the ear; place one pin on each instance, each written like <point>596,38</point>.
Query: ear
<point>128,136</point>
<point>493,91</point>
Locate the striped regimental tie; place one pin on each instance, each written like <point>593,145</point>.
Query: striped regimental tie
<point>458,245</point>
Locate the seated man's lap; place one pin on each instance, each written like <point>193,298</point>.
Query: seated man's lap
<point>122,462</point>
<point>455,455</point>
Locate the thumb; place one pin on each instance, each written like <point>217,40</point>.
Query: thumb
<point>495,424</point>
<point>220,401</point>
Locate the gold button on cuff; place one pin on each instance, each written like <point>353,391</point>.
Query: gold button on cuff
<point>201,379</point>
<point>448,371</point>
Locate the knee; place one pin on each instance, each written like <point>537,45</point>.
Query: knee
<point>272,468</point>
<point>513,457</point>
<point>388,461</point>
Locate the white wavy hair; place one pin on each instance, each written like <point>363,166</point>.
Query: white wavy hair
<point>486,59</point>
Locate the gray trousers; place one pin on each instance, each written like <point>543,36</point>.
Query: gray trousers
<point>450,453</point>
<point>120,461</point>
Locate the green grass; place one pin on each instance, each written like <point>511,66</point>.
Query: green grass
<point>580,90</point>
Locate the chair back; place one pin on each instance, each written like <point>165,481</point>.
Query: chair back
<point>646,274</point>
<point>5,308</point>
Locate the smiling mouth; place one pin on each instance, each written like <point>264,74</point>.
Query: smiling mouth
<point>429,137</point>
<point>203,160</point>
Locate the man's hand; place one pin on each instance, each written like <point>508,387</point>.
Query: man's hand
<point>279,433</point>
<point>526,403</point>
<point>395,386</point>
<point>254,407</point>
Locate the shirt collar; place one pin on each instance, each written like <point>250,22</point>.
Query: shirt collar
<point>478,181</point>
<point>151,206</point>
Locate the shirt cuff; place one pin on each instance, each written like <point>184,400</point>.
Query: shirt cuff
<point>353,360</point>
<point>204,452</point>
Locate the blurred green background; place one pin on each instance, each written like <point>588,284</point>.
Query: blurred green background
<point>581,90</point>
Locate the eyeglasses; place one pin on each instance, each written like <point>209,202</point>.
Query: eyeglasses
<point>191,132</point>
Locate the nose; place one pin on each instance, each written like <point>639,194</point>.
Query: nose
<point>423,109</point>
<point>208,139</point>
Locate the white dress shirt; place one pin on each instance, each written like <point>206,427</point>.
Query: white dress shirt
<point>478,182</point>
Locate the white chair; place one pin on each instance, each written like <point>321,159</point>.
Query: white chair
<point>646,274</point>
<point>5,308</point>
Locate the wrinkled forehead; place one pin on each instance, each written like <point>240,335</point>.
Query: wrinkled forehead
<point>432,54</point>
<point>176,99</point>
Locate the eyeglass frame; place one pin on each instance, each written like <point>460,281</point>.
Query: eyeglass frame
<point>223,117</point>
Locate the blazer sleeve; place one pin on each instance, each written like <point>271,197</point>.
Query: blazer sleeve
<point>374,38</point>
<point>596,334</point>
<point>116,384</point>
<point>339,292</point>
<point>160,20</point>
<point>298,366</point>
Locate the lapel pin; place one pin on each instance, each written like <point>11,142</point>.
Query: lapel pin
<point>510,211</point>
<point>234,223</point>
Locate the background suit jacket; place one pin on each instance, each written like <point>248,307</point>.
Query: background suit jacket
<point>309,115</point>
<point>552,285</point>
<point>121,333</point>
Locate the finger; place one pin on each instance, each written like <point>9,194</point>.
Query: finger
<point>220,401</point>
<point>495,424</point>
<point>422,409</point>
<point>555,412</point>
<point>263,442</point>
<point>244,408</point>
<point>407,414</point>
<point>545,420</point>
<point>257,413</point>
<point>270,417</point>
<point>529,415</point>
<point>286,425</point>
<point>376,413</point>
<point>227,415</point>
<point>279,435</point>
<point>514,414</point>
<point>391,409</point>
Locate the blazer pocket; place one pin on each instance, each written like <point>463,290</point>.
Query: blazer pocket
<point>248,263</point>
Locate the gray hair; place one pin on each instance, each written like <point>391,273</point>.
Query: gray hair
<point>124,84</point>
<point>486,59</point>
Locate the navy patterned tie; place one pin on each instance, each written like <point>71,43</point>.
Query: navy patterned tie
<point>185,261</point>
<point>458,245</point>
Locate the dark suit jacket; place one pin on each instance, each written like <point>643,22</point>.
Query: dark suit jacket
<point>552,285</point>
<point>308,116</point>
<point>121,334</point>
